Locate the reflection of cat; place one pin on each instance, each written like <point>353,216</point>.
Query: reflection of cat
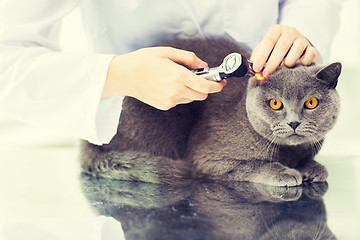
<point>238,211</point>
<point>223,210</point>
<point>266,132</point>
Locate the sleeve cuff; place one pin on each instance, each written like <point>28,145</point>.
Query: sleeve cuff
<point>103,114</point>
<point>107,119</point>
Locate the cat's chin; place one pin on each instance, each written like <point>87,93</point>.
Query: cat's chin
<point>292,140</point>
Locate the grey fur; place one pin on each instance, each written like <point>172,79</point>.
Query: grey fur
<point>234,135</point>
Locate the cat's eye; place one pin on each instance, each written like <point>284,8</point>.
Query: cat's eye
<point>311,103</point>
<point>275,104</point>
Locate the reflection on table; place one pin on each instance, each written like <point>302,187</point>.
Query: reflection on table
<point>210,210</point>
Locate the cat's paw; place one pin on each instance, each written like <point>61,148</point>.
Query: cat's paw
<point>314,172</point>
<point>276,174</point>
<point>288,177</point>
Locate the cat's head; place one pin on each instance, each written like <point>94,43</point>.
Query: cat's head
<point>294,105</point>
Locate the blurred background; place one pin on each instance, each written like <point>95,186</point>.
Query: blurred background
<point>345,138</point>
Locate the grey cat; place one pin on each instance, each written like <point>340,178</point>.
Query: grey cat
<point>257,131</point>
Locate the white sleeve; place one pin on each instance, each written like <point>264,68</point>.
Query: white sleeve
<point>318,20</point>
<point>47,88</point>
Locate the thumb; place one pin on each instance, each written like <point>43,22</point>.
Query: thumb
<point>254,53</point>
<point>184,57</point>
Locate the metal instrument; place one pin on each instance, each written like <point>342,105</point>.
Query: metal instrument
<point>234,65</point>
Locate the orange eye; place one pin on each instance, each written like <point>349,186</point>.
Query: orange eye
<point>275,104</point>
<point>311,103</point>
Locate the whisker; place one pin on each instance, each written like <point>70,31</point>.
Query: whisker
<point>321,229</point>
<point>275,149</point>
<point>265,146</point>
<point>317,142</point>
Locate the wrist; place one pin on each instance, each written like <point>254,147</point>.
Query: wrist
<point>115,83</point>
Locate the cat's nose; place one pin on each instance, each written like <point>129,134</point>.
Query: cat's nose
<point>294,125</point>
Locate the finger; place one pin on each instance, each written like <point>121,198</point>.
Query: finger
<point>194,95</point>
<point>183,57</point>
<point>201,84</point>
<point>185,101</point>
<point>266,46</point>
<point>200,97</point>
<point>296,51</point>
<point>308,56</point>
<point>280,50</point>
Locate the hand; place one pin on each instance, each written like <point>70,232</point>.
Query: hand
<point>282,44</point>
<point>154,76</point>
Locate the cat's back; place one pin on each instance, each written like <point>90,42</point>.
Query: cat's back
<point>171,129</point>
<point>221,121</point>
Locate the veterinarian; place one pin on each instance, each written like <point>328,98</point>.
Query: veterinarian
<point>81,94</point>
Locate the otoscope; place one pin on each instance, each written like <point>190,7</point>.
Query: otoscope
<point>234,65</point>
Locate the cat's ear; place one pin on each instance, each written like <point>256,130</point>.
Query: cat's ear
<point>330,74</point>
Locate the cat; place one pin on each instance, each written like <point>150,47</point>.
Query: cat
<point>211,210</point>
<point>257,131</point>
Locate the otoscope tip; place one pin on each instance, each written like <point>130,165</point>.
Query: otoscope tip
<point>259,76</point>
